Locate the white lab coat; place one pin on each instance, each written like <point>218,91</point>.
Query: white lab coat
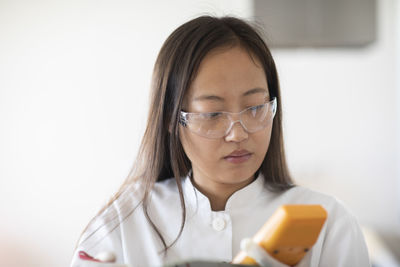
<point>216,235</point>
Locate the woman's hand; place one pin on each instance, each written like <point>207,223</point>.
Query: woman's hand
<point>103,259</point>
<point>257,253</point>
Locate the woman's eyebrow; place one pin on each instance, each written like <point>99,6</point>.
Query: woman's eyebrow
<point>255,91</point>
<point>208,97</point>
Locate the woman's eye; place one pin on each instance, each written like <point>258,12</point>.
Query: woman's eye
<point>212,115</point>
<point>255,108</point>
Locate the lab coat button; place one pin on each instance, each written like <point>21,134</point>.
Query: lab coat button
<point>218,224</point>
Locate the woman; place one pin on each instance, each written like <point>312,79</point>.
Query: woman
<point>211,168</point>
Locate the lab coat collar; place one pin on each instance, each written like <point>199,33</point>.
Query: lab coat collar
<point>238,200</point>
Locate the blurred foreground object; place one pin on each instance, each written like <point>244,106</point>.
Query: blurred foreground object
<point>289,233</point>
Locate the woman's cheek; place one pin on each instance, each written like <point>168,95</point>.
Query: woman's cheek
<point>207,151</point>
<point>262,141</point>
<point>200,151</point>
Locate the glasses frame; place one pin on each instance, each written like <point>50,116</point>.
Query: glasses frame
<point>183,119</point>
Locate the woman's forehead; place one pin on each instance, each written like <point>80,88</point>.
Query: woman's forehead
<point>228,73</point>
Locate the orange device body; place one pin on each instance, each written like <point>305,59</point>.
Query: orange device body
<point>290,232</point>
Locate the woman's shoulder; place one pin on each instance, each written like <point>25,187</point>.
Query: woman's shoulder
<point>131,198</point>
<point>341,241</point>
<point>133,194</point>
<point>304,195</point>
<point>341,230</point>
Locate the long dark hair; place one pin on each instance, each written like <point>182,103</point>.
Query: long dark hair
<point>161,155</point>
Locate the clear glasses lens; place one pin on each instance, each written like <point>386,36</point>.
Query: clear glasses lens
<point>256,118</point>
<point>218,124</point>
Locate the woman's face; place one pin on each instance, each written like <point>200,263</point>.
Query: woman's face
<point>227,80</point>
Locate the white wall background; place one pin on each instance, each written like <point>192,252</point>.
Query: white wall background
<point>74,79</point>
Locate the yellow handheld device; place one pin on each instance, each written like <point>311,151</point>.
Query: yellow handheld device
<point>290,232</point>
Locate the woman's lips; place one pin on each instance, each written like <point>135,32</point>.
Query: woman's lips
<point>238,159</point>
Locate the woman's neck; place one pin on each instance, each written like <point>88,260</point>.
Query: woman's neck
<point>218,193</point>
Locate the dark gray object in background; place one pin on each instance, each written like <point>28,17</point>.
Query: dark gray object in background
<point>317,23</point>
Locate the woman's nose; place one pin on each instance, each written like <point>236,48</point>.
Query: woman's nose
<point>237,133</point>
